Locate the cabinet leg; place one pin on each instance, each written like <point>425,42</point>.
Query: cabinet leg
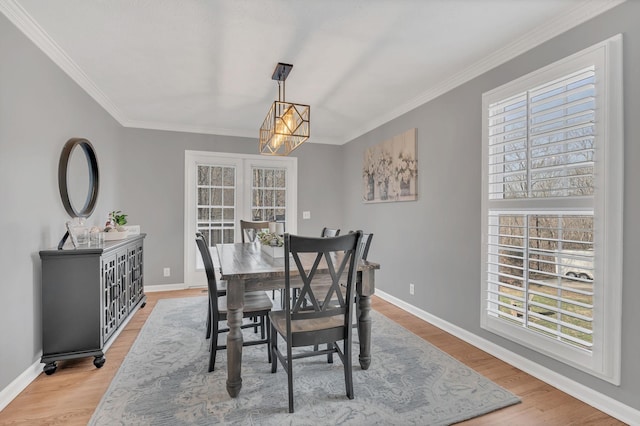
<point>99,361</point>
<point>50,368</point>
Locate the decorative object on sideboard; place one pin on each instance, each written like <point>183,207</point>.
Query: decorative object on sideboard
<point>78,181</point>
<point>78,232</point>
<point>114,227</point>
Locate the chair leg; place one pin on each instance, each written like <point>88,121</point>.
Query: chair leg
<point>262,321</point>
<point>290,377</point>
<point>274,346</point>
<point>209,322</point>
<point>213,347</point>
<point>348,370</point>
<point>330,355</point>
<point>268,326</point>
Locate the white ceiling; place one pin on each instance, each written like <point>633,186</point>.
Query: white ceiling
<point>205,65</point>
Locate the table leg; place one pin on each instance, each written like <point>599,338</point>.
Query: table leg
<point>365,287</point>
<point>364,331</point>
<point>235,305</point>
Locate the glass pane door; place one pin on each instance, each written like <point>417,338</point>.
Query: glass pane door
<point>269,194</point>
<point>223,188</point>
<point>216,204</point>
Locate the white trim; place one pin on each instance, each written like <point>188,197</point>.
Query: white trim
<point>20,383</point>
<point>170,287</point>
<point>537,36</point>
<point>604,361</point>
<point>576,16</point>
<point>21,19</point>
<point>587,395</point>
<point>242,162</point>
<point>583,393</point>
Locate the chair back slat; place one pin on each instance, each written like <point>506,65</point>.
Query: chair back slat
<point>365,244</point>
<point>329,232</point>
<point>209,268</point>
<point>336,255</point>
<point>256,227</point>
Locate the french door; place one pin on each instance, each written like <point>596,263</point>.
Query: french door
<point>221,189</point>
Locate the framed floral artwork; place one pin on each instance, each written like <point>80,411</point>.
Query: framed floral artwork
<point>390,170</point>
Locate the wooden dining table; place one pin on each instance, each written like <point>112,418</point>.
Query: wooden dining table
<point>246,267</point>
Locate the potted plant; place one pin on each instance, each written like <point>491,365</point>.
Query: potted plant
<point>114,227</point>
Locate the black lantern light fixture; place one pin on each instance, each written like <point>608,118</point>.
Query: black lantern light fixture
<point>286,125</point>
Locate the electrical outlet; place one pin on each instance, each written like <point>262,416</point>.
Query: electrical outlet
<point>167,272</point>
<point>306,215</point>
<point>411,288</point>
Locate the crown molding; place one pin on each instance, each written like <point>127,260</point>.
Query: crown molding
<point>517,47</point>
<point>21,19</point>
<point>178,127</point>
<point>25,23</point>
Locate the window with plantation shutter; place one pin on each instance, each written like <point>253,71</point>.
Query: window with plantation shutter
<point>552,210</point>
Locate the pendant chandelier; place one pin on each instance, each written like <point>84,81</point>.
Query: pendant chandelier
<point>286,125</point>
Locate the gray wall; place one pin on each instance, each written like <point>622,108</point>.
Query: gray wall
<point>142,173</point>
<point>435,241</point>
<point>152,178</point>
<point>40,109</point>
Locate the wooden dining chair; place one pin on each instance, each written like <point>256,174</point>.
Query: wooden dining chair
<point>249,230</point>
<point>256,305</point>
<point>329,232</point>
<point>319,322</point>
<point>221,285</point>
<point>326,232</point>
<point>365,244</point>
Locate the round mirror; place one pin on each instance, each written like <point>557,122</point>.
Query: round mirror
<point>78,177</point>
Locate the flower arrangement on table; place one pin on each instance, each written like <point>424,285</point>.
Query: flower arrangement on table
<point>270,239</point>
<point>271,243</point>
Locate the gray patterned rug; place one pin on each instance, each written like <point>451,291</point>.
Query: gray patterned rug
<point>164,381</point>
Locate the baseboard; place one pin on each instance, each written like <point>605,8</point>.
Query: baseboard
<point>585,394</point>
<point>14,388</point>
<point>169,287</point>
<point>9,393</point>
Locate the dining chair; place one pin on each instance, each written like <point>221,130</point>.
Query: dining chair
<point>319,322</point>
<point>249,230</point>
<point>256,304</point>
<point>328,232</point>
<point>365,244</point>
<point>221,285</point>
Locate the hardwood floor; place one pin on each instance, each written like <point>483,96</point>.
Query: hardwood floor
<point>70,396</point>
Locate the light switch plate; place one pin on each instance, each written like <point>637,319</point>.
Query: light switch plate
<point>306,215</point>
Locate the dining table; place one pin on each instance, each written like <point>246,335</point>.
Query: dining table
<point>246,267</point>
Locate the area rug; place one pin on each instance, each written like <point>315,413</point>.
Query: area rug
<point>164,381</point>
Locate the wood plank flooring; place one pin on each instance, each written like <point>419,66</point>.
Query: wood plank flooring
<point>70,396</point>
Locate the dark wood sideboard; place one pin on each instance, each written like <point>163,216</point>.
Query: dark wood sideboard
<point>88,294</point>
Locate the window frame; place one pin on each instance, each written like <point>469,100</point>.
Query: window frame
<point>243,163</point>
<point>603,360</point>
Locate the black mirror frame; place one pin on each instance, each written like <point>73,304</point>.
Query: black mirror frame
<point>94,180</point>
